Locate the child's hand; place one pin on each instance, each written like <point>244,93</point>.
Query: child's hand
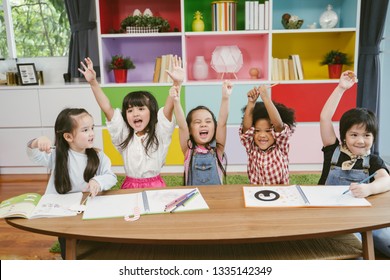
<point>174,92</point>
<point>93,187</point>
<point>360,190</point>
<point>227,88</point>
<point>264,94</point>
<point>87,71</point>
<point>253,94</point>
<point>43,143</point>
<point>347,80</point>
<point>177,73</point>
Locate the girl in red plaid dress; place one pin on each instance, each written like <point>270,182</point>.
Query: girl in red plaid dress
<point>265,133</point>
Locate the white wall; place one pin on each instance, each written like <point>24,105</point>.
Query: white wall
<point>53,67</point>
<point>384,128</point>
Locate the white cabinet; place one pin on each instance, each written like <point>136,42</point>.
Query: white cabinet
<point>27,113</point>
<point>19,108</point>
<point>53,100</point>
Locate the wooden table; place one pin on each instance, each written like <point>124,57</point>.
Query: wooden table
<point>226,222</point>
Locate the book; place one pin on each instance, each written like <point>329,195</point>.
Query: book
<point>266,15</point>
<point>157,69</point>
<point>261,17</point>
<point>164,66</point>
<point>285,69</point>
<point>34,205</point>
<point>291,70</point>
<point>148,202</point>
<point>299,67</point>
<point>301,196</point>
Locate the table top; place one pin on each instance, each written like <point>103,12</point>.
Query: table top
<point>227,221</point>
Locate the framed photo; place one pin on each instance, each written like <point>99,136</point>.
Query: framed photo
<point>27,74</point>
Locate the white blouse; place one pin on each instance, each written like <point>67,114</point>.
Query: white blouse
<point>137,163</point>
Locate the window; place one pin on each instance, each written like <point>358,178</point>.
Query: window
<point>40,28</point>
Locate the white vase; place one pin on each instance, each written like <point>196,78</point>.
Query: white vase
<point>200,69</point>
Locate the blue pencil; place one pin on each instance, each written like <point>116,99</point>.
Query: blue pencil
<point>183,202</point>
<point>363,181</point>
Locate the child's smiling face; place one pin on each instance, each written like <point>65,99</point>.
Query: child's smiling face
<point>138,118</point>
<point>263,134</point>
<point>202,127</point>
<point>358,140</point>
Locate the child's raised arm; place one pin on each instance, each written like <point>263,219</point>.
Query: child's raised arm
<point>177,75</point>
<point>328,135</point>
<point>220,136</point>
<point>101,98</point>
<point>174,93</point>
<point>247,122</point>
<point>273,113</point>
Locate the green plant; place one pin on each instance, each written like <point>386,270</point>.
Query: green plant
<point>146,21</point>
<point>120,62</point>
<point>335,57</point>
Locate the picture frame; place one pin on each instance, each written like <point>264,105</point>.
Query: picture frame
<point>27,74</point>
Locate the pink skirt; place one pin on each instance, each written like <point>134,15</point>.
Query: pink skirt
<point>142,183</point>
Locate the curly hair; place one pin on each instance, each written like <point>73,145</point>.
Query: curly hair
<point>286,114</point>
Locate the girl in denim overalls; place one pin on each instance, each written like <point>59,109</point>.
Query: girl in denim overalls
<point>350,162</point>
<point>202,139</point>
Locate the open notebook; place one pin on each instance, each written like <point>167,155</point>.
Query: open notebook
<point>301,196</point>
<point>148,202</point>
<point>34,205</point>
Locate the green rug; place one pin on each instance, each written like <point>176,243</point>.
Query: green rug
<point>177,180</point>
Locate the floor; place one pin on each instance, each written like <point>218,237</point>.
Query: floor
<point>17,244</point>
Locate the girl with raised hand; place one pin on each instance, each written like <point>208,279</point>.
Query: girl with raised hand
<point>202,139</point>
<point>140,131</point>
<point>265,133</point>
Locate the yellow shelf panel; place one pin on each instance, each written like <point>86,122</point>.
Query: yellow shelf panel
<point>311,47</point>
<point>174,156</point>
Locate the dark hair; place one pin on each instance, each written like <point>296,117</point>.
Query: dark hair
<point>260,112</point>
<point>139,99</point>
<point>192,143</point>
<point>358,116</point>
<point>66,123</point>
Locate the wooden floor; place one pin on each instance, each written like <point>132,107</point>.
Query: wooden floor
<point>17,244</point>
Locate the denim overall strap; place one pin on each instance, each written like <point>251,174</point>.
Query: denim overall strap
<point>337,176</point>
<point>335,156</point>
<point>366,162</point>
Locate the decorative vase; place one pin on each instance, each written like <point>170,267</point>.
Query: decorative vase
<point>197,23</point>
<point>120,75</point>
<point>200,69</point>
<point>335,70</point>
<point>329,18</point>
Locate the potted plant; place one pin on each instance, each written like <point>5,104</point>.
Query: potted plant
<point>335,60</point>
<point>120,65</point>
<point>144,23</point>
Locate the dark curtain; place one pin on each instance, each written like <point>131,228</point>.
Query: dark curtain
<point>83,42</point>
<point>372,21</point>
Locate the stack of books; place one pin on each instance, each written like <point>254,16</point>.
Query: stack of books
<point>162,64</point>
<point>287,68</point>
<point>224,15</point>
<point>256,15</point>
